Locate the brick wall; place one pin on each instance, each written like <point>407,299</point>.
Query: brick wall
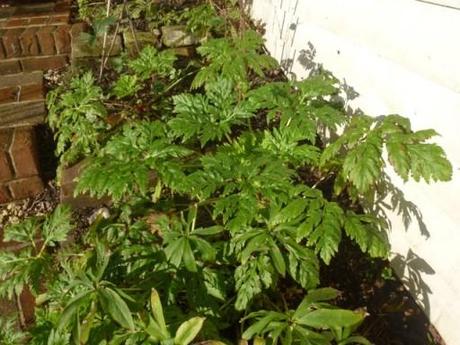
<point>21,99</point>
<point>34,36</point>
<point>19,173</point>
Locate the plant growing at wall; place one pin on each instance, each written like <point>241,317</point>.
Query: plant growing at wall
<point>225,187</point>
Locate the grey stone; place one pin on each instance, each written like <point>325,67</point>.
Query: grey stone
<point>143,39</point>
<point>81,48</point>
<point>176,36</point>
<point>183,51</point>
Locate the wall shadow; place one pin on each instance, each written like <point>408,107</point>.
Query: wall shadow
<point>410,267</point>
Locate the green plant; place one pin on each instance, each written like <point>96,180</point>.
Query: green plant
<point>80,115</point>
<point>313,322</point>
<point>211,116</point>
<point>153,63</point>
<point>26,265</point>
<point>225,187</point>
<point>202,20</point>
<point>9,334</point>
<point>233,58</point>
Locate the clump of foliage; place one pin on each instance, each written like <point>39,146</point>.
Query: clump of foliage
<point>229,192</point>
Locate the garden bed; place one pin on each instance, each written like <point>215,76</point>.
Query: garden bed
<point>237,212</point>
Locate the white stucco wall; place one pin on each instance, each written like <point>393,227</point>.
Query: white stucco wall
<point>401,56</point>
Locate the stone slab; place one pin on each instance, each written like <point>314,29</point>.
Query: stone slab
<point>174,36</point>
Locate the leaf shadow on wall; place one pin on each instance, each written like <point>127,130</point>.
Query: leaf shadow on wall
<point>411,268</point>
<point>389,200</point>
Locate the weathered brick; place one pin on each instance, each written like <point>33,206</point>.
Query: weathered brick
<point>5,139</point>
<point>34,8</point>
<point>23,152</point>
<point>43,63</point>
<point>60,18</point>
<point>5,195</point>
<point>31,92</point>
<point>6,12</point>
<point>9,67</point>
<point>68,183</point>
<point>62,6</point>
<point>28,305</point>
<point>62,39</point>
<point>15,22</point>
<point>6,172</point>
<point>26,187</point>
<point>11,43</point>
<point>9,94</point>
<point>29,42</point>
<point>2,51</point>
<point>46,40</point>
<point>21,79</point>
<point>20,113</point>
<point>21,93</point>
<point>39,21</point>
<point>21,87</point>
<point>77,29</point>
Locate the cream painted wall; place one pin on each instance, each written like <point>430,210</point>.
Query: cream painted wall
<point>401,56</point>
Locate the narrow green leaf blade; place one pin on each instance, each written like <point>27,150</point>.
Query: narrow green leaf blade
<point>278,260</point>
<point>157,310</point>
<point>114,305</point>
<point>188,330</point>
<point>72,308</point>
<point>329,318</point>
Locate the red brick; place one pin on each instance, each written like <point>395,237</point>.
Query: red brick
<point>5,196</point>
<point>39,21</point>
<point>6,12</point>
<point>5,139</point>
<point>46,40</point>
<point>62,6</point>
<point>2,51</point>
<point>60,18</point>
<point>28,305</point>
<point>43,63</point>
<point>62,39</point>
<point>67,183</point>
<point>6,173</point>
<point>21,113</point>
<point>9,67</point>
<point>23,152</point>
<point>21,79</point>
<point>21,93</point>
<point>26,188</point>
<point>5,169</point>
<point>33,8</point>
<point>77,29</point>
<point>14,22</point>
<point>8,94</point>
<point>11,43</point>
<point>29,42</point>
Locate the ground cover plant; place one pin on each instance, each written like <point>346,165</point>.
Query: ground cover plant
<point>229,189</point>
